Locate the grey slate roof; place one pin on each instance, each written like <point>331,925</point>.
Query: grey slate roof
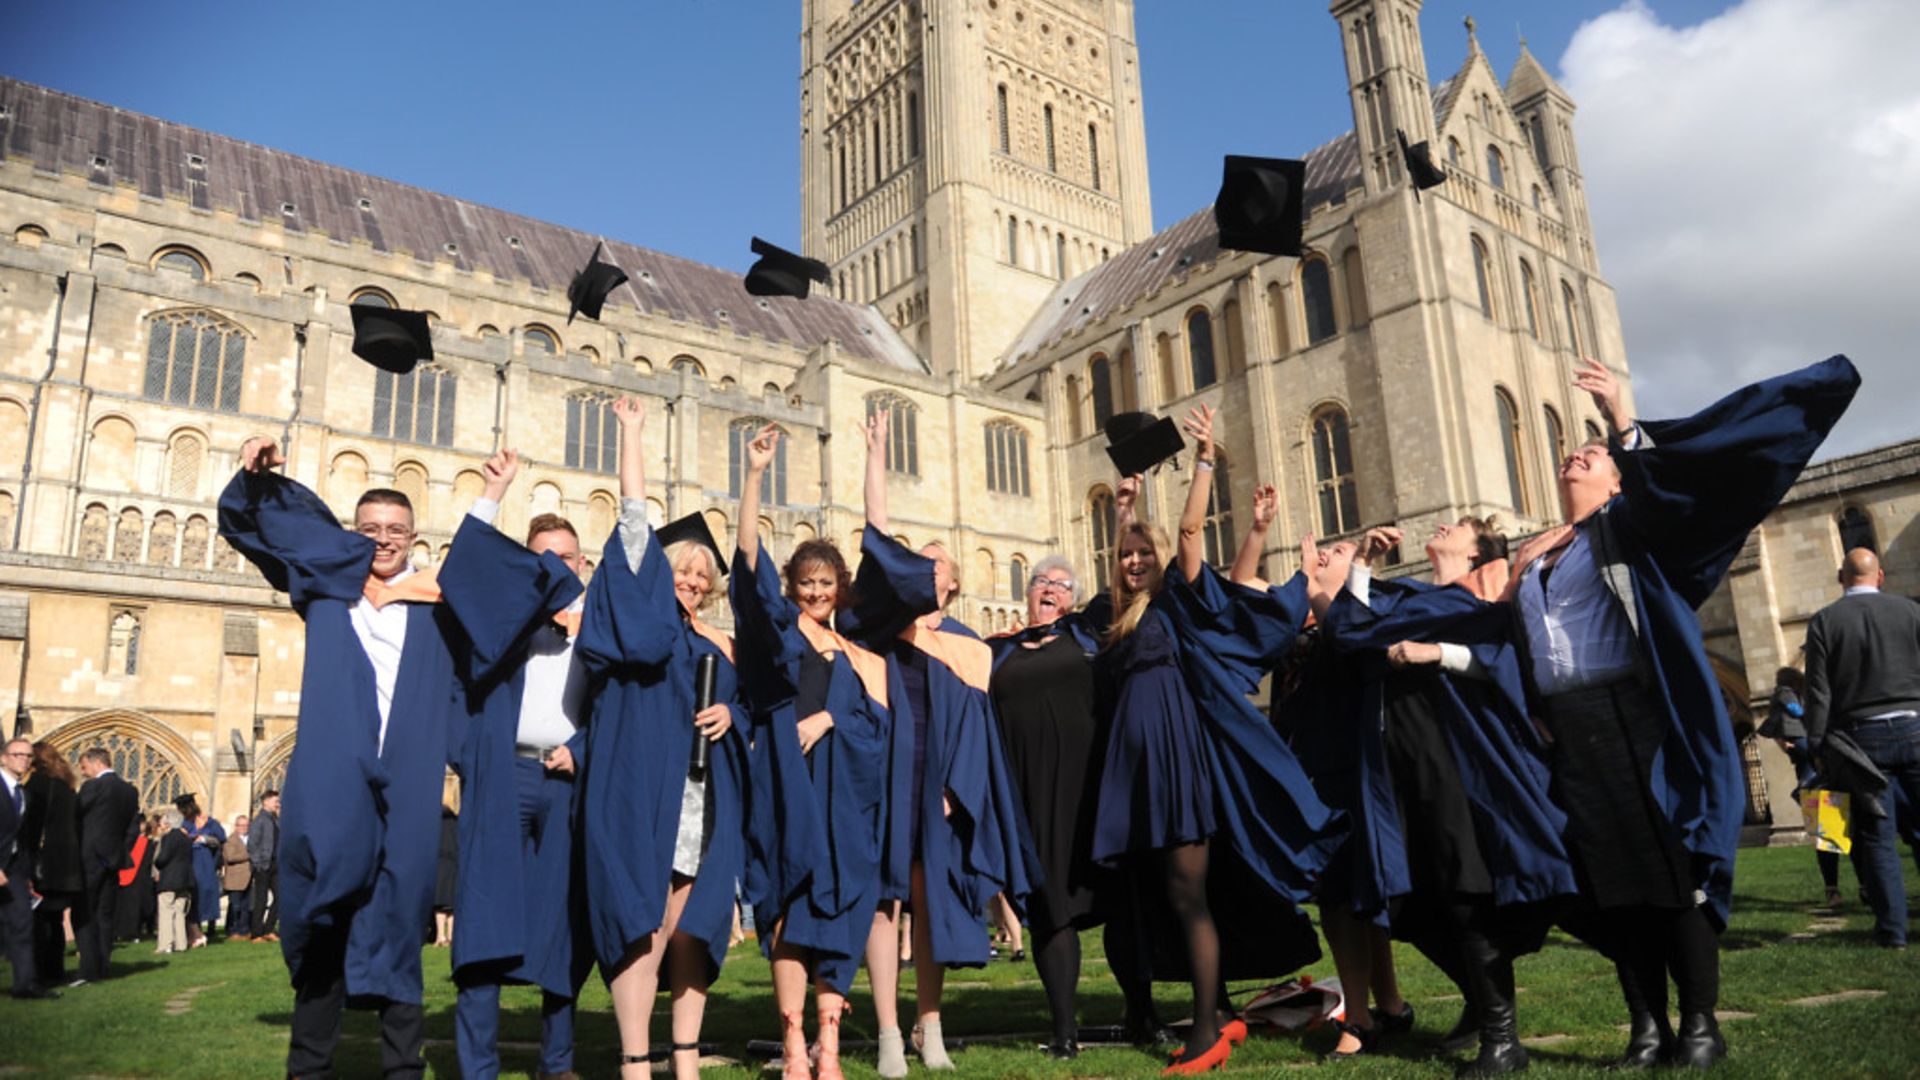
<point>60,133</point>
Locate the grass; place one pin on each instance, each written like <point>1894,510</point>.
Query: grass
<point>223,1011</point>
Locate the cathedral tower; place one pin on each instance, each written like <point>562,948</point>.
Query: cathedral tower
<point>962,157</point>
<point>1545,111</point>
<point>1387,78</point>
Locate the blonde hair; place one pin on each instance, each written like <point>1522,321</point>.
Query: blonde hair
<point>1130,608</point>
<point>680,550</point>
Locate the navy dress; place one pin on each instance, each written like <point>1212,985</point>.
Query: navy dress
<point>1155,791</point>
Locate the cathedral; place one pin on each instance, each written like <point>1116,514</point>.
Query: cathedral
<point>973,172</point>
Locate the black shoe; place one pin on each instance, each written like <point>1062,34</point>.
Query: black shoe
<point>1698,1044</point>
<point>1019,955</point>
<point>1649,1043</point>
<point>38,993</point>
<point>1497,1059</point>
<point>1465,1032</point>
<point>1366,1035</point>
<point>1063,1049</point>
<point>1399,1023</point>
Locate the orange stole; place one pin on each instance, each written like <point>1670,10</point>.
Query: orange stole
<point>720,640</point>
<point>419,587</point>
<point>871,668</point>
<point>970,660</point>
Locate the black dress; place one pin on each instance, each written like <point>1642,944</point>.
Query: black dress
<point>1044,697</point>
<point>138,909</point>
<point>1443,849</point>
<point>447,873</point>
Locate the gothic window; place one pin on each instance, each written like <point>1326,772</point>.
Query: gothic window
<point>1856,530</point>
<point>415,407</point>
<point>195,358</point>
<point>127,536</point>
<point>1200,348</point>
<point>1356,281</point>
<point>1007,459</point>
<point>1013,241</point>
<point>877,147</point>
<point>1277,307</point>
<point>1053,161</point>
<point>1236,338</point>
<point>1483,276</point>
<point>1316,295</point>
<point>1060,255</point>
<point>1074,432</point>
<point>773,482</point>
<point>1536,198</point>
<point>843,186</point>
<point>193,544</point>
<point>160,539</point>
<point>1512,445</point>
<point>1529,298</point>
<point>593,435</point>
<point>1100,381</point>
<point>1219,527</point>
<point>1556,437</point>
<point>1496,168</point>
<point>913,125</point>
<point>903,434</point>
<point>1101,524</point>
<point>1453,150</point>
<point>1093,154</point>
<point>1169,376</point>
<point>1129,382</point>
<point>1539,133</point>
<point>93,532</point>
<point>1017,577</point>
<point>371,297</point>
<point>539,339</point>
<point>1333,473</point>
<point>1570,306</point>
<point>123,641</point>
<point>1006,136</point>
<point>181,260</point>
<point>185,458</point>
<point>410,479</point>
<point>1593,433</point>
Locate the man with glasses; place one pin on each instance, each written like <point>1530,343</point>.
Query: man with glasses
<point>359,841</point>
<point>16,903</point>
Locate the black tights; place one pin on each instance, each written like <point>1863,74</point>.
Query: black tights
<point>1646,944</point>
<point>1058,958</point>
<point>1185,869</point>
<point>1829,867</point>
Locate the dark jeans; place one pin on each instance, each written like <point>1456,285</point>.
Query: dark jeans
<point>16,923</point>
<point>239,920</point>
<point>1893,746</point>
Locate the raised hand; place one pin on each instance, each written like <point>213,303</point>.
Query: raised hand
<point>875,431</point>
<point>1412,653</point>
<point>1199,427</point>
<point>629,413</point>
<point>1377,542</point>
<point>1598,380</point>
<point>761,450</point>
<point>1309,554</point>
<point>498,472</point>
<point>1266,505</point>
<point>260,453</point>
<point>1128,491</point>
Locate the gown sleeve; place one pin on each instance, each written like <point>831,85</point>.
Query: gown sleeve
<point>630,619</point>
<point>293,539</point>
<point>893,587</point>
<point>500,593</point>
<point>767,643</point>
<point>1246,630</point>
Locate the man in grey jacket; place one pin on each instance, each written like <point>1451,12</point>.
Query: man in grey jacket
<point>263,845</point>
<point>1863,681</point>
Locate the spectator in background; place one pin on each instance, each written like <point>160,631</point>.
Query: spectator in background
<point>236,875</point>
<point>208,838</point>
<point>16,902</point>
<point>109,824</point>
<point>1785,725</point>
<point>263,843</point>
<point>174,865</point>
<point>447,876</point>
<point>52,839</point>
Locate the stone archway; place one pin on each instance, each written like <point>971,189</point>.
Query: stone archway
<point>146,753</point>
<point>270,766</point>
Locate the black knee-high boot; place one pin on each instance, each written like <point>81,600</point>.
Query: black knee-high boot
<point>1491,977</point>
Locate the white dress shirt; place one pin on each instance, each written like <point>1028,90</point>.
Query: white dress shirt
<point>1577,636</point>
<point>383,635</point>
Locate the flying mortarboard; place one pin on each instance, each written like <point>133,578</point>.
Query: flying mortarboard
<point>692,527</point>
<point>389,338</point>
<point>590,287</point>
<point>782,273</point>
<point>1260,203</point>
<point>1137,442</point>
<point>1420,166</point>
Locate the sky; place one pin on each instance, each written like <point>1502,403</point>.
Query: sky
<point>1752,166</point>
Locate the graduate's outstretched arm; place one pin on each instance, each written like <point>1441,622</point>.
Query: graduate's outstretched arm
<point>1124,495</point>
<point>759,455</point>
<point>632,418</point>
<point>1193,518</point>
<point>1599,380</point>
<point>1246,561</point>
<point>874,431</point>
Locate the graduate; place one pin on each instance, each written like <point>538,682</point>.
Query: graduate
<point>953,836</point>
<point>820,715</point>
<point>360,837</point>
<point>525,692</point>
<point>663,834</point>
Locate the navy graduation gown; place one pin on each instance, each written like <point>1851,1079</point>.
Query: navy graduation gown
<point>813,834</point>
<point>641,652</point>
<point>983,847</point>
<point>360,820</point>
<point>517,909</point>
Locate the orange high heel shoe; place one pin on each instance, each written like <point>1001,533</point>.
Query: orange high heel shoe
<point>828,1065</point>
<point>794,1067</point>
<point>1234,1031</point>
<point>1215,1057</point>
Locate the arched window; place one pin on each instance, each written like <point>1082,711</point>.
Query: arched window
<point>1060,255</point>
<point>1006,127</point>
<point>7,510</point>
<point>1169,376</point>
<point>1333,473</point>
<point>1513,445</point>
<point>128,535</point>
<point>773,482</point>
<point>93,532</point>
<point>1483,276</point>
<point>1453,150</point>
<point>410,479</point>
<point>1277,310</point>
<point>193,543</point>
<point>688,365</point>
<point>1529,298</point>
<point>186,457</point>
<point>1075,429</point>
<point>903,432</point>
<point>1355,278</point>
<point>415,407</point>
<point>160,539</point>
<point>183,260</point>
<point>1594,434</point>
<point>1100,380</point>
<point>1053,161</point>
<point>371,297</point>
<point>1200,348</point>
<point>1093,154</point>
<point>1570,307</point>
<point>1496,168</point>
<point>123,641</point>
<point>110,455</point>
<point>1219,528</point>
<point>913,124</point>
<point>1316,295</point>
<point>1536,198</point>
<point>1101,524</point>
<point>195,358</point>
<point>593,434</point>
<point>1856,530</point>
<point>539,339</point>
<point>1013,240</point>
<point>1017,577</point>
<point>347,478</point>
<point>1007,459</point>
<point>1236,338</point>
<point>1556,438</point>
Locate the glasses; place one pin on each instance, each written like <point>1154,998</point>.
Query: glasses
<point>1041,581</point>
<point>17,753</point>
<point>391,532</point>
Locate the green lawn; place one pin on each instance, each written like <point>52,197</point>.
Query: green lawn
<point>222,1011</point>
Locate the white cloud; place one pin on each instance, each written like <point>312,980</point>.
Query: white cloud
<point>1754,182</point>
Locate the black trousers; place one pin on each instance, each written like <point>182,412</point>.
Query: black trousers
<point>16,925</point>
<point>94,926</point>
<point>319,995</point>
<point>239,922</point>
<point>50,937</point>
<point>264,903</point>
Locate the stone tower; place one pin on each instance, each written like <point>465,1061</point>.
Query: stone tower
<point>1387,79</point>
<point>1545,111</point>
<point>962,157</point>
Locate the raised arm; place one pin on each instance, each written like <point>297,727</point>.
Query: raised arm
<point>759,455</point>
<point>1598,380</point>
<point>1123,499</point>
<point>1193,519</point>
<point>288,533</point>
<point>1246,561</point>
<point>632,418</point>
<point>875,431</point>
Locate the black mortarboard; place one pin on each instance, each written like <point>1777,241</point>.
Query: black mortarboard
<point>1260,203</point>
<point>1420,166</point>
<point>389,338</point>
<point>782,273</point>
<point>591,286</point>
<point>692,527</point>
<point>1137,442</point>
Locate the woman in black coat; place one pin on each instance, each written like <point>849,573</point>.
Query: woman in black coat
<point>51,834</point>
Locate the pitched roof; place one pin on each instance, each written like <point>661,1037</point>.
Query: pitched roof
<point>1528,78</point>
<point>60,133</point>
